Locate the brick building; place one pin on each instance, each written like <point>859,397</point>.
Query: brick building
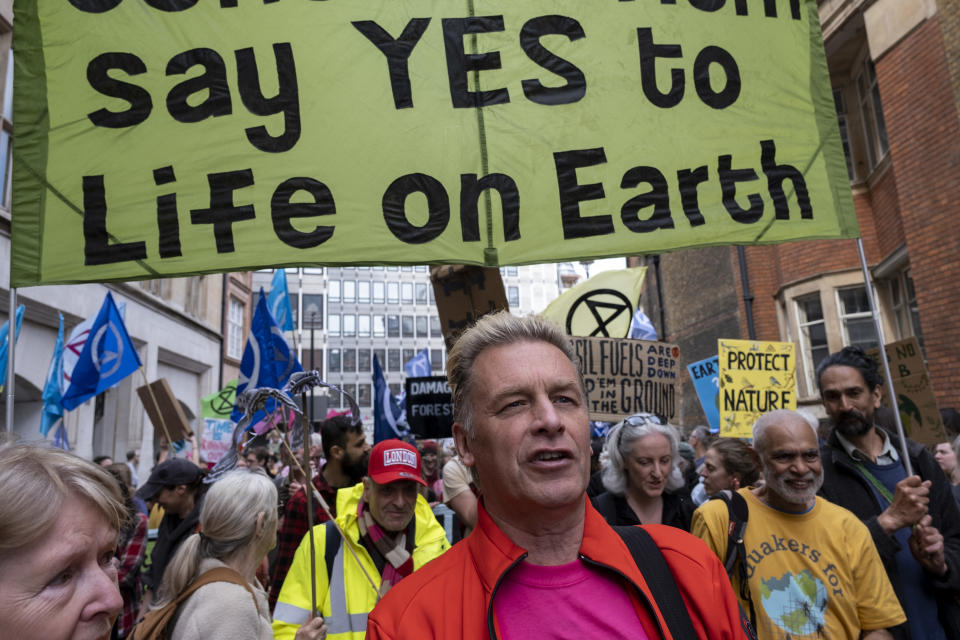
<point>895,71</point>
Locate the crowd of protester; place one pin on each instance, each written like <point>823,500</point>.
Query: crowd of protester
<point>826,508</point>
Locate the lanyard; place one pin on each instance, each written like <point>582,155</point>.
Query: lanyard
<point>879,486</point>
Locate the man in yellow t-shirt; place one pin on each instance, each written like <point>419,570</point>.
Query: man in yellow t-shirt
<point>811,566</point>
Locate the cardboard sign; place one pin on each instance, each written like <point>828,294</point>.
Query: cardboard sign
<point>164,410</point>
<point>173,137</point>
<point>216,439</point>
<point>916,401</point>
<point>463,294</point>
<point>756,377</point>
<point>624,377</point>
<point>429,407</point>
<point>706,381</point>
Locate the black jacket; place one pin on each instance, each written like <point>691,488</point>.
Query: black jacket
<point>843,485</point>
<point>170,534</point>
<point>677,510</point>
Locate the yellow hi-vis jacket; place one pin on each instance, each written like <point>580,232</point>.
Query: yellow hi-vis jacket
<point>347,597</point>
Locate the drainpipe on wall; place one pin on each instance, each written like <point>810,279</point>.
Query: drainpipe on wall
<point>747,294</point>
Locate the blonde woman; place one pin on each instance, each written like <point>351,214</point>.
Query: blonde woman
<point>238,526</point>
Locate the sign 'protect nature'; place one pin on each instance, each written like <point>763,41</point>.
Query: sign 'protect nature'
<point>169,137</point>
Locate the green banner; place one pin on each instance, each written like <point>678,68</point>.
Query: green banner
<point>220,403</point>
<point>171,137</point>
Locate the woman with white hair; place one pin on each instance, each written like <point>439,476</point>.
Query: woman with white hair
<point>640,472</point>
<point>238,526</point>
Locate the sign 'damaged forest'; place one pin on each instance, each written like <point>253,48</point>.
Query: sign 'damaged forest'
<point>168,137</point>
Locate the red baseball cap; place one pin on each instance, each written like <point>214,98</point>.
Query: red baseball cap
<point>393,460</point>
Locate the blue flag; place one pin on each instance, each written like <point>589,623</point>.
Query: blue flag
<point>641,328</point>
<point>419,365</point>
<point>108,357</point>
<point>279,301</point>
<point>4,332</point>
<point>387,416</point>
<point>52,400</point>
<point>268,360</point>
<point>60,440</point>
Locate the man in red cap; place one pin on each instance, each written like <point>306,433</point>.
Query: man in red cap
<point>391,532</point>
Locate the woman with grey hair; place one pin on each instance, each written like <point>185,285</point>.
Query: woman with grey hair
<point>238,526</point>
<point>640,472</point>
<point>60,517</point>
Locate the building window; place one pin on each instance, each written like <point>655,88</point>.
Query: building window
<point>363,291</point>
<point>393,326</point>
<point>235,329</point>
<point>378,292</point>
<point>313,271</point>
<point>393,359</point>
<point>363,360</point>
<point>511,271</point>
<point>363,395</point>
<point>363,325</point>
<point>406,268</point>
<point>349,290</point>
<point>841,106</point>
<point>408,355</point>
<point>436,360</point>
<point>350,389</point>
<point>855,317</point>
<point>333,291</point>
<point>435,327</point>
<point>349,325</point>
<point>393,268</point>
<point>422,327</point>
<point>422,268</point>
<point>871,112</point>
<point>381,356</point>
<point>406,293</point>
<point>421,293</point>
<point>406,326</point>
<point>393,292</point>
<point>349,360</point>
<point>333,324</point>
<point>813,336</point>
<point>513,297</point>
<point>312,310</point>
<point>903,298</point>
<point>379,325</point>
<point>334,361</point>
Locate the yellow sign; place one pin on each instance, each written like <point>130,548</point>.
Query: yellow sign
<point>601,306</point>
<point>171,137</point>
<point>756,377</point>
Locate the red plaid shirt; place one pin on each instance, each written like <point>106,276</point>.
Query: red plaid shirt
<point>293,529</point>
<point>128,576</point>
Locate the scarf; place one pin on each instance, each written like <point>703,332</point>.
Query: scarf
<point>397,553</point>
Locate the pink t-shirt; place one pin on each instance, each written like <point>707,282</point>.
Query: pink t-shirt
<point>572,600</point>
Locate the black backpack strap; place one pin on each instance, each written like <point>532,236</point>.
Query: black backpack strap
<point>737,514</point>
<point>661,582</point>
<point>331,548</point>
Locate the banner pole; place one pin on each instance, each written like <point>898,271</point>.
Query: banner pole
<point>11,344</point>
<point>298,334</point>
<point>891,394</point>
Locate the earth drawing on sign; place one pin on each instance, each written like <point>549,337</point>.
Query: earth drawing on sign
<point>796,603</point>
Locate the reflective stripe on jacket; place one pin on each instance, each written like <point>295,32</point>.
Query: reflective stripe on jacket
<point>346,600</point>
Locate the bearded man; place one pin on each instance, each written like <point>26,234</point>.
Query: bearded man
<point>913,520</point>
<point>811,567</point>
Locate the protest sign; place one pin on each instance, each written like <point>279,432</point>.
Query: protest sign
<point>164,410</point>
<point>916,401</point>
<point>706,381</point>
<point>601,306</point>
<point>624,377</point>
<point>171,137</point>
<point>755,377</point>
<point>463,294</point>
<point>216,439</point>
<point>429,407</point>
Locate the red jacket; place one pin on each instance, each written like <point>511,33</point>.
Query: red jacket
<point>450,598</point>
